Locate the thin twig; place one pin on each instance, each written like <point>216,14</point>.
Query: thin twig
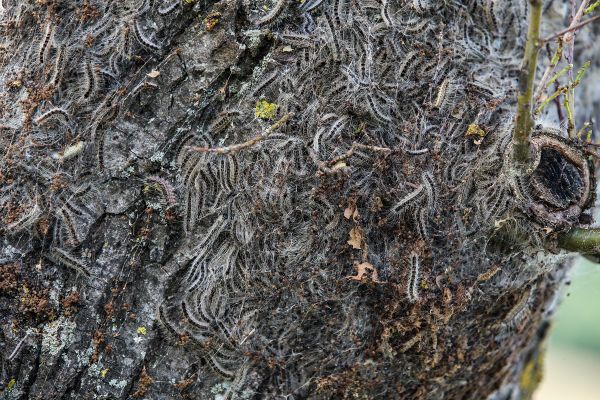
<point>553,96</point>
<point>569,39</point>
<point>593,144</point>
<point>559,110</point>
<point>592,153</point>
<point>333,165</point>
<point>553,63</point>
<point>240,146</point>
<point>569,29</point>
<point>592,7</point>
<point>330,166</point>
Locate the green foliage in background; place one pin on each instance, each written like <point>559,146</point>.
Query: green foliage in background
<point>578,319</point>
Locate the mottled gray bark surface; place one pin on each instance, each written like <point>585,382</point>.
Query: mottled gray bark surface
<point>374,245</point>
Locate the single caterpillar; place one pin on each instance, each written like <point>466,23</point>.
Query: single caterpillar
<point>274,13</point>
<point>45,44</point>
<point>166,188</point>
<point>408,199</point>
<point>142,38</point>
<point>412,287</point>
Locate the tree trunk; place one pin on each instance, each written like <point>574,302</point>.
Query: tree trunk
<point>257,199</point>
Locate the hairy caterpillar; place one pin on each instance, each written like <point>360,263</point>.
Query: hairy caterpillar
<point>59,65</point>
<point>410,343</point>
<point>191,314</point>
<point>517,314</point>
<point>441,94</point>
<point>102,25</point>
<point>385,13</point>
<point>398,207</point>
<point>422,223</point>
<point>336,127</point>
<point>309,5</point>
<point>376,109</point>
<point>406,63</point>
<point>296,39</point>
<point>338,11</point>
<point>490,14</point>
<point>336,50</point>
<point>167,190</point>
<point>169,7</point>
<point>412,289</point>
<point>47,38</point>
<point>222,122</point>
<point>54,112</point>
<point>164,320</point>
<point>91,80</point>
<point>447,93</point>
<point>354,78</point>
<point>308,23</point>
<point>26,220</point>
<point>216,365</point>
<point>228,171</point>
<point>62,257</point>
<point>430,188</point>
<point>496,206</point>
<point>125,47</point>
<point>416,152</point>
<point>100,151</point>
<point>418,26</point>
<point>68,205</point>
<point>70,227</point>
<point>278,7</point>
<point>421,6</point>
<point>264,83</point>
<point>142,38</point>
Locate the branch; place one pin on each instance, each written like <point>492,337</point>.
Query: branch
<point>584,241</point>
<point>240,146</point>
<point>570,29</point>
<point>569,39</point>
<point>524,120</point>
<point>553,63</point>
<point>331,166</point>
<point>592,7</point>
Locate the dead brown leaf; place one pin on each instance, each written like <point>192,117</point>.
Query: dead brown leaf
<point>349,211</point>
<point>361,271</point>
<point>153,74</point>
<point>356,238</point>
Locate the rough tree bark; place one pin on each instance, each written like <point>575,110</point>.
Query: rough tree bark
<point>270,199</point>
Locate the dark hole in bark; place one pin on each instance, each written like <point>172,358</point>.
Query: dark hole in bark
<point>556,180</point>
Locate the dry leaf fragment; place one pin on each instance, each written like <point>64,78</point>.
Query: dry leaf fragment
<point>500,222</point>
<point>349,211</point>
<point>361,271</point>
<point>153,74</point>
<point>487,275</point>
<point>356,238</point>
<point>339,165</point>
<point>377,204</point>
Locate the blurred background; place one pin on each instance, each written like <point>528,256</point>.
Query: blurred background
<point>572,368</point>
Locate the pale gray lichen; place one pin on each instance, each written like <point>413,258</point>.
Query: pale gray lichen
<point>57,335</point>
